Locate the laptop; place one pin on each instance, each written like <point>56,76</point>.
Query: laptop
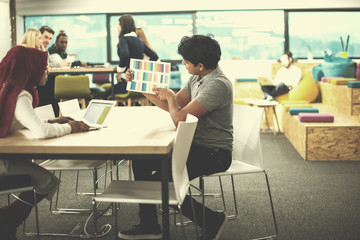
<point>96,113</point>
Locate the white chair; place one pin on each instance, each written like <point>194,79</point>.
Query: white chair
<point>149,192</point>
<point>10,184</point>
<point>247,156</point>
<point>69,107</point>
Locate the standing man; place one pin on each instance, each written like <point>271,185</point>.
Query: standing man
<point>287,78</point>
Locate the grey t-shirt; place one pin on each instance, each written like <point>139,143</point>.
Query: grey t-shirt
<point>215,93</point>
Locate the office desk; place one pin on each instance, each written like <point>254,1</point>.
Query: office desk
<point>131,133</point>
<point>86,70</point>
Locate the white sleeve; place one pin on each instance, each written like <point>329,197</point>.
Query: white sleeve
<point>26,116</point>
<point>55,60</point>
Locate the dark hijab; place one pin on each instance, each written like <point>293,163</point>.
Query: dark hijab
<point>21,69</point>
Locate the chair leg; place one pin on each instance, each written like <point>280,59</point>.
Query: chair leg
<point>36,216</point>
<point>234,196</point>
<point>271,203</point>
<point>182,222</point>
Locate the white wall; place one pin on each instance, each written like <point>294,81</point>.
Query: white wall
<point>41,7</point>
<point>5,35</point>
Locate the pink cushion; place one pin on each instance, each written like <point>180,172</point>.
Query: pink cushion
<point>316,117</point>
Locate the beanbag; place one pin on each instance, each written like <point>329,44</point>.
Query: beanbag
<point>334,67</point>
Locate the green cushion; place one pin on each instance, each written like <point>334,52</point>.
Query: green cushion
<point>353,84</point>
<point>297,110</point>
<point>246,79</point>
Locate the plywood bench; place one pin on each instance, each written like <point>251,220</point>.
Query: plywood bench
<point>339,140</point>
<point>344,99</point>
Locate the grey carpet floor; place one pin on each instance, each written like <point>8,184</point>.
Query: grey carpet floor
<point>312,200</point>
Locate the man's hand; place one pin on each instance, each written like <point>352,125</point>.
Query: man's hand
<point>60,120</point>
<point>164,94</point>
<point>78,126</point>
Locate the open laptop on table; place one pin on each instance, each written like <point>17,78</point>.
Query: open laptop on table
<point>96,113</point>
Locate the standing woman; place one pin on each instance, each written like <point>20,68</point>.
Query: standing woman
<point>21,70</point>
<point>130,46</point>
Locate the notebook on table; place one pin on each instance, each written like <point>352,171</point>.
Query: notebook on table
<point>96,113</point>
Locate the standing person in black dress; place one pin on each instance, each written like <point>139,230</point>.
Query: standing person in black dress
<point>129,46</point>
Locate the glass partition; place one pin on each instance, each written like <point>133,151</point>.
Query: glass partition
<point>310,33</point>
<point>245,34</point>
<point>86,34</point>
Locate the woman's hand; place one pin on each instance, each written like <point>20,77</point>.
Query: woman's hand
<point>61,120</point>
<point>78,126</point>
<point>129,75</point>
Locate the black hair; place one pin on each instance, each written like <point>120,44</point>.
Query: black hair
<point>200,49</point>
<point>47,29</point>
<point>61,34</point>
<point>127,24</point>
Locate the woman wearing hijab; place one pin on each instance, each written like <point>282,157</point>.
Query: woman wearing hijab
<point>21,71</point>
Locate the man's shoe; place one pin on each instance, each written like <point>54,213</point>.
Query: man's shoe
<point>216,227</point>
<point>142,232</point>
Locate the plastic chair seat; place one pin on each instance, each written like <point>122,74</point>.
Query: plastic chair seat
<point>146,192</point>
<point>72,164</point>
<point>238,167</point>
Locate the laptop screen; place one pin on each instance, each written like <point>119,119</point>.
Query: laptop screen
<point>97,111</point>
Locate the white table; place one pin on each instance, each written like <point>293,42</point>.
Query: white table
<point>132,133</point>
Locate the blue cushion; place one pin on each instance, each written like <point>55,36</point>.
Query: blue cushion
<point>353,84</point>
<point>297,110</point>
<point>246,79</point>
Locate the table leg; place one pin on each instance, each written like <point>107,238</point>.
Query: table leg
<point>276,120</point>
<point>112,87</point>
<point>165,196</point>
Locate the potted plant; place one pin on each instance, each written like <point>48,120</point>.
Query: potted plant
<point>344,47</point>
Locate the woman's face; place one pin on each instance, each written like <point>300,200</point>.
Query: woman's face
<point>38,41</point>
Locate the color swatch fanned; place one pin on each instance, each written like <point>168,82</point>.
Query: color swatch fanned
<point>148,74</point>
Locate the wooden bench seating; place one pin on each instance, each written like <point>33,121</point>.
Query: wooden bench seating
<point>339,140</point>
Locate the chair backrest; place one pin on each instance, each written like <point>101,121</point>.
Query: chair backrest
<point>69,87</point>
<point>247,125</point>
<point>183,139</point>
<point>68,107</point>
<point>101,78</point>
<point>45,112</point>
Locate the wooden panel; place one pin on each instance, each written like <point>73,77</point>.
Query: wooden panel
<point>333,143</point>
<point>355,95</point>
<point>355,110</point>
<point>243,90</point>
<point>338,96</point>
<point>295,132</point>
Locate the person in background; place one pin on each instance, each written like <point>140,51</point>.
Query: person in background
<point>208,95</point>
<point>21,70</point>
<point>47,35</point>
<point>58,51</point>
<point>141,34</point>
<point>32,39</point>
<point>286,78</point>
<point>129,46</point>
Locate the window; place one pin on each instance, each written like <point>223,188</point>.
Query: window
<point>313,32</point>
<point>163,31</point>
<point>86,34</point>
<point>245,34</point>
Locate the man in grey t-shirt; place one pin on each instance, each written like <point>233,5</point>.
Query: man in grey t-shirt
<point>208,95</point>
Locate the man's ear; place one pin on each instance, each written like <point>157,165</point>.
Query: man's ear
<point>201,66</point>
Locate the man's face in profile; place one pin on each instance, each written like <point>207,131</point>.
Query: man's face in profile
<point>285,60</point>
<point>46,38</point>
